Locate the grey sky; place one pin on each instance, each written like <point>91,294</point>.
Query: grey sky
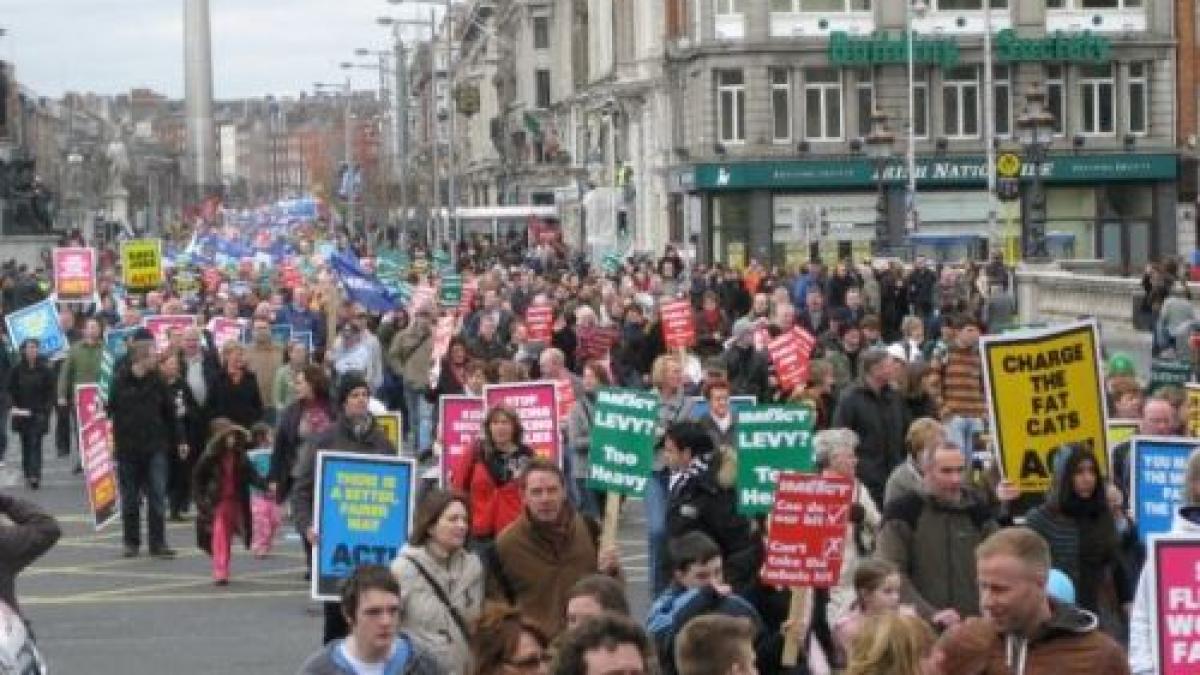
<point>259,46</point>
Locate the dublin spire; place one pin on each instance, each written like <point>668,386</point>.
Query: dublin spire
<point>201,169</point>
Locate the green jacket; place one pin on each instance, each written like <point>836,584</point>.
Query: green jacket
<point>82,366</point>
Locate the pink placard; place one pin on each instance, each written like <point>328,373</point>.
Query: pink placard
<point>89,407</point>
<point>536,405</point>
<point>225,330</point>
<point>74,274</point>
<point>460,419</point>
<point>160,325</point>
<point>1176,562</point>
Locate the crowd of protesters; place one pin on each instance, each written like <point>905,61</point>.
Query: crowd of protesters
<point>506,571</point>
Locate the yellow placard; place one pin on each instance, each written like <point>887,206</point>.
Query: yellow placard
<point>1120,431</point>
<point>141,264</point>
<point>1044,392</point>
<point>1192,414</point>
<point>389,424</point>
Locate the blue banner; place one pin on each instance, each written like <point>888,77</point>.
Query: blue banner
<point>1158,467</point>
<point>360,287</point>
<point>363,514</point>
<point>38,321</point>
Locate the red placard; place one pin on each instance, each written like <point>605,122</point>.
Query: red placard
<point>536,404</point>
<point>539,323</point>
<point>807,532</point>
<point>89,405</point>
<point>678,325</point>
<point>791,364</point>
<point>566,399</point>
<point>74,274</point>
<point>100,471</point>
<point>460,420</point>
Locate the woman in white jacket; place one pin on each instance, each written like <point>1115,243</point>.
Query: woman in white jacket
<point>1142,621</point>
<point>834,451</point>
<point>441,582</point>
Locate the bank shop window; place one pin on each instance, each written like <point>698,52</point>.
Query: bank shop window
<point>960,102</point>
<point>864,99</point>
<point>781,104</point>
<point>1096,99</point>
<point>823,104</point>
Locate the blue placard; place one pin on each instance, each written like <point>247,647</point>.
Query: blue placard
<point>281,335</point>
<point>304,337</point>
<point>39,321</point>
<point>116,341</point>
<point>363,512</point>
<point>699,405</point>
<point>1158,467</point>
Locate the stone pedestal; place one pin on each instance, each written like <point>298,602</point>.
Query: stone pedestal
<point>116,205</point>
<point>26,248</point>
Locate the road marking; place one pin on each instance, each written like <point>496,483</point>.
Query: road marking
<point>236,594</point>
<point>146,593</point>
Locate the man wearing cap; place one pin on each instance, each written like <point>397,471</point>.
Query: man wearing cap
<point>747,367</point>
<point>354,431</point>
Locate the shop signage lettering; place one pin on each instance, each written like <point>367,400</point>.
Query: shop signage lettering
<point>1082,47</point>
<point>881,49</point>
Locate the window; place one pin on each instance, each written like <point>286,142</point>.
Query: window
<point>960,102</point>
<point>968,5</point>
<point>541,32</point>
<point>781,104</point>
<point>1096,99</point>
<point>1056,102</point>
<point>542,85</point>
<point>864,100</point>
<point>823,104</point>
<point>725,7</point>
<point>832,5</point>
<point>1093,4</point>
<point>1002,101</point>
<point>731,106</point>
<point>920,103</point>
<point>1138,98</point>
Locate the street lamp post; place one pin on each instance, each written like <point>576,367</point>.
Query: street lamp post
<point>916,9</point>
<point>1034,120</point>
<point>879,147</point>
<point>347,118</point>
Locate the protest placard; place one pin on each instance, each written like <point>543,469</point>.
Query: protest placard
<point>281,335</point>
<point>38,321</point>
<point>89,404</point>
<point>1174,563</point>
<point>161,326</point>
<point>1121,430</point>
<point>391,425</point>
<point>536,405</point>
<point>363,515</point>
<point>565,389</point>
<point>99,470</point>
<point>790,361</point>
<point>806,536</point>
<point>678,325</point>
<point>74,274</point>
<point>224,330</point>
<point>539,323</point>
<point>1192,414</point>
<point>769,439</point>
<point>450,291</point>
<point>142,264</point>
<point>1157,470</point>
<point>1169,373</point>
<point>621,452</point>
<point>460,422</point>
<point>1044,391</point>
<point>806,340</point>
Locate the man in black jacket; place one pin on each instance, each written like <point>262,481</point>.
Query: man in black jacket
<point>143,417</point>
<point>876,412</point>
<point>745,366</point>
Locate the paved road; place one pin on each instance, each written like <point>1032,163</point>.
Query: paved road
<point>98,613</point>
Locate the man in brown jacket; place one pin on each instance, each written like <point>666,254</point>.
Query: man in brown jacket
<point>540,556</point>
<point>264,358</point>
<point>1039,636</point>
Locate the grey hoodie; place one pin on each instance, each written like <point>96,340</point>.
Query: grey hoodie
<point>329,661</point>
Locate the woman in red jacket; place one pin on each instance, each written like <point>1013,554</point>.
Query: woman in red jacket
<point>488,475</point>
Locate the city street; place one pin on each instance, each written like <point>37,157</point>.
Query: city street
<point>98,613</point>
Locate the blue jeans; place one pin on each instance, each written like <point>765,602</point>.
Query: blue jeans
<point>656,503</point>
<point>143,474</point>
<point>962,430</point>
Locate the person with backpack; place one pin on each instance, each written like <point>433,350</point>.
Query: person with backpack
<point>487,475</point>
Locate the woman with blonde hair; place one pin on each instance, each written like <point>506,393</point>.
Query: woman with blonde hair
<point>891,644</point>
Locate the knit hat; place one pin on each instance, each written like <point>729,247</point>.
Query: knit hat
<point>348,384</point>
<point>1120,364</point>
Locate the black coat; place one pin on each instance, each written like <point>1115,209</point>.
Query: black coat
<point>705,500</point>
<point>342,438</point>
<point>880,420</point>
<point>31,388</point>
<point>240,403</point>
<point>142,412</point>
<point>190,425</point>
<point>287,447</point>
<point>748,372</point>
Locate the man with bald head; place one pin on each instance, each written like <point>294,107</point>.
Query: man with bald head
<point>1159,418</point>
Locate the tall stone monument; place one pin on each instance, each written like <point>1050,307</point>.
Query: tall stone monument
<point>201,167</point>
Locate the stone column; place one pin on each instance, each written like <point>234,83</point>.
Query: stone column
<point>198,95</point>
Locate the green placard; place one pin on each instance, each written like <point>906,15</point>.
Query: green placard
<point>769,439</point>
<point>611,263</point>
<point>621,455</point>
<point>450,291</point>
<point>1169,373</point>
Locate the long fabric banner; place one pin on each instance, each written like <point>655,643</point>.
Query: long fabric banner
<point>1045,391</point>
<point>363,512</point>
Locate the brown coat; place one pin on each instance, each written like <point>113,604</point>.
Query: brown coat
<point>539,571</point>
<point>1070,643</point>
<point>264,361</point>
